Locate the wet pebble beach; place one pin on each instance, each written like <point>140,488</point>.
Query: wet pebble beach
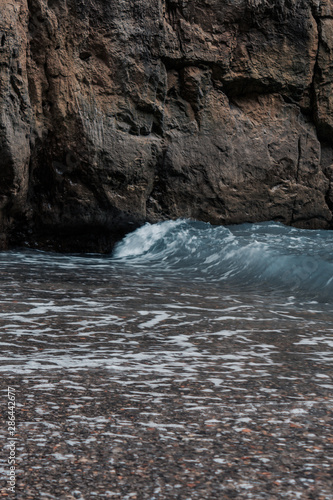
<point>133,385</point>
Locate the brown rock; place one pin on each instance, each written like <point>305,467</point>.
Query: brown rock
<point>113,113</point>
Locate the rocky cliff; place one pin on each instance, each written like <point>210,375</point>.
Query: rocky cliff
<point>114,112</point>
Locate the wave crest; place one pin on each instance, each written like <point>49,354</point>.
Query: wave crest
<point>248,254</point>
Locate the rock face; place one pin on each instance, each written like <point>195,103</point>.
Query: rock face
<point>114,112</point>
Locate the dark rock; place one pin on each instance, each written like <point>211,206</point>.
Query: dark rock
<point>114,113</point>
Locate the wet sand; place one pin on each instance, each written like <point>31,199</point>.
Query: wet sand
<point>82,435</point>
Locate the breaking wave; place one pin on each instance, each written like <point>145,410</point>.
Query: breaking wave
<point>267,253</point>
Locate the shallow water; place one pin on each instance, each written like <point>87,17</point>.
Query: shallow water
<point>209,347</point>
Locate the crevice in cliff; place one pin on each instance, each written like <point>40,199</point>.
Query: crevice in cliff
<point>156,205</point>
<point>329,202</point>
<point>316,71</point>
<point>329,193</point>
<point>299,154</point>
<point>173,15</point>
<point>323,136</point>
<point>173,12</point>
<point>241,87</point>
<point>297,171</point>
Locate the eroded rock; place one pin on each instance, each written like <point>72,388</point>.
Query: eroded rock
<point>114,113</point>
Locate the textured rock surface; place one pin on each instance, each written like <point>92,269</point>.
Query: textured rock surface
<point>116,112</point>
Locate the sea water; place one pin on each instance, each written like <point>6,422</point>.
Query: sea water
<point>166,294</point>
<point>216,281</point>
<point>238,320</point>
